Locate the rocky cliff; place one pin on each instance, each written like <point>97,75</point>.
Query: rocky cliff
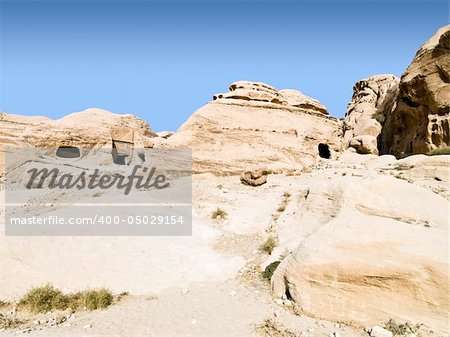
<point>372,98</point>
<point>420,121</point>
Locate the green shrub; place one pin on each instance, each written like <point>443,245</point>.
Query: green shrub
<point>270,269</point>
<point>219,213</point>
<point>441,150</point>
<point>47,298</point>
<point>268,245</point>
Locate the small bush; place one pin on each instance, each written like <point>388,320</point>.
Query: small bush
<point>44,299</point>
<point>284,202</point>
<point>442,150</point>
<point>95,299</point>
<point>47,298</point>
<point>401,329</point>
<point>219,213</point>
<point>270,269</point>
<point>268,245</point>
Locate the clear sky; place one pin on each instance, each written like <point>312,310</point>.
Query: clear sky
<point>163,60</point>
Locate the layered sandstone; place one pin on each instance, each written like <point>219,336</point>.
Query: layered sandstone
<point>298,99</point>
<point>91,128</point>
<point>369,245</point>
<point>420,121</point>
<point>372,98</point>
<point>233,134</point>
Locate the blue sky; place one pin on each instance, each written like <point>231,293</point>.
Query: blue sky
<point>163,60</point>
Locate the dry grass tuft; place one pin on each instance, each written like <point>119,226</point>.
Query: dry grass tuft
<point>269,245</point>
<point>219,213</point>
<point>47,298</point>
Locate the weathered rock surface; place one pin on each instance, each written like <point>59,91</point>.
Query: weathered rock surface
<point>91,127</point>
<point>252,91</point>
<point>262,92</point>
<point>367,246</point>
<point>85,129</point>
<point>165,134</point>
<point>230,135</point>
<point>254,178</point>
<point>298,99</point>
<point>372,98</point>
<point>420,121</point>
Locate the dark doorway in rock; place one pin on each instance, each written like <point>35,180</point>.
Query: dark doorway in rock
<point>69,152</point>
<point>121,152</point>
<point>324,151</point>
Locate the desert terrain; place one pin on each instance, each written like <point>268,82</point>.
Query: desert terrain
<point>302,224</point>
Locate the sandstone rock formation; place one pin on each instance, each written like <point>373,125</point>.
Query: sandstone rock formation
<point>298,99</point>
<point>252,91</point>
<point>164,134</point>
<point>372,98</point>
<point>87,129</point>
<point>420,121</point>
<point>254,178</point>
<point>238,132</point>
<point>367,247</point>
<point>261,92</point>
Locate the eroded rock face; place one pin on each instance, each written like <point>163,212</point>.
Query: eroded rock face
<point>230,135</point>
<point>91,128</point>
<point>297,99</point>
<point>369,248</point>
<point>372,98</point>
<point>252,91</point>
<point>420,121</point>
<point>261,92</point>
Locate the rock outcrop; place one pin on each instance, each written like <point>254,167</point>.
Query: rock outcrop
<point>300,100</point>
<point>372,99</point>
<point>367,247</point>
<point>252,91</point>
<point>420,121</point>
<point>92,128</point>
<point>261,92</point>
<point>252,129</point>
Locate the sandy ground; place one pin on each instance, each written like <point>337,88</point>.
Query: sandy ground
<point>207,284</point>
<point>207,309</point>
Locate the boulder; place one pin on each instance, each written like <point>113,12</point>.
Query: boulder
<point>372,98</point>
<point>365,144</point>
<point>420,121</point>
<point>254,178</point>
<point>366,248</point>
